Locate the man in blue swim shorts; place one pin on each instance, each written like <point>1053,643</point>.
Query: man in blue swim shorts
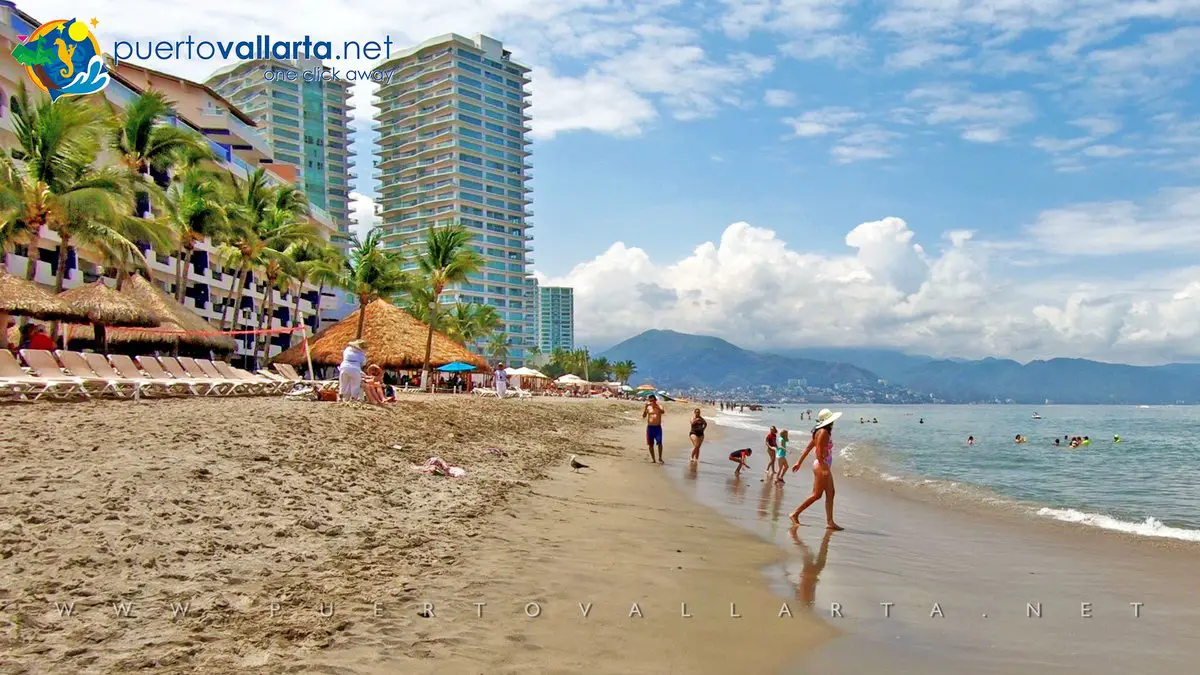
<point>652,412</point>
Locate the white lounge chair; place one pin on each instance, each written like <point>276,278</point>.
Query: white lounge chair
<point>159,371</point>
<point>286,370</point>
<point>517,392</point>
<point>220,385</point>
<point>97,384</point>
<point>130,370</point>
<point>16,381</point>
<point>138,385</point>
<point>43,365</point>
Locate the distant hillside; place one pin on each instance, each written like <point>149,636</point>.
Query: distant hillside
<point>673,359</point>
<point>680,360</point>
<point>886,363</point>
<point>1058,380</point>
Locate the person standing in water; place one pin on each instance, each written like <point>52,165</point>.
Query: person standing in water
<point>772,437</point>
<point>652,412</point>
<point>781,456</point>
<point>699,424</point>
<point>822,443</point>
<point>970,440</point>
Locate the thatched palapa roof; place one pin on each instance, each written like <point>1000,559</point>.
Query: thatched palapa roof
<point>173,317</point>
<point>25,298</point>
<point>394,340</point>
<point>110,307</point>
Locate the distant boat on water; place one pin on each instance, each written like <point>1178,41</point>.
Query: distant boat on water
<point>1037,416</point>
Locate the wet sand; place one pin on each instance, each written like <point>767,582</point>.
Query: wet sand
<point>300,540</point>
<point>960,580</point>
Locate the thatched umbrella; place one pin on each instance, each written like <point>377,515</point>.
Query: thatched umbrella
<point>395,340</point>
<point>109,307</point>
<point>25,298</point>
<point>173,318</point>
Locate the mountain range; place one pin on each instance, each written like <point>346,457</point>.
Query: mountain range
<point>680,360</point>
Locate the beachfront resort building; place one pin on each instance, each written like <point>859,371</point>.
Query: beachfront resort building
<point>305,124</point>
<point>556,318</point>
<point>453,149</point>
<point>240,148</point>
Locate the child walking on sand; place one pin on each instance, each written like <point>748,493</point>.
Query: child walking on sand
<point>781,456</point>
<point>740,456</point>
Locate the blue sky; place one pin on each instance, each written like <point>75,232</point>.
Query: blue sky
<point>955,177</point>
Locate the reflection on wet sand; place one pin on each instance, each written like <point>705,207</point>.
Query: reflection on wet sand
<point>690,473</point>
<point>737,489</point>
<point>806,589</point>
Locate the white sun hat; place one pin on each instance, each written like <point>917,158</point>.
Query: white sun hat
<point>826,417</point>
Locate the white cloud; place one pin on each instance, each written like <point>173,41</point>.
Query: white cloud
<point>923,54</point>
<point>866,143</point>
<point>1107,151</point>
<point>1098,126</point>
<point>984,134</point>
<point>362,214</point>
<point>752,288</point>
<point>841,49</point>
<point>593,101</point>
<point>982,117</point>
<point>778,98</point>
<point>1166,223</point>
<point>821,122</point>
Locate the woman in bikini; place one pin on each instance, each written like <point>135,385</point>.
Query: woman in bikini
<point>699,424</point>
<point>374,388</point>
<point>822,443</point>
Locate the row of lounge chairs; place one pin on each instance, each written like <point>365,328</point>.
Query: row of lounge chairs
<point>66,375</point>
<point>511,392</point>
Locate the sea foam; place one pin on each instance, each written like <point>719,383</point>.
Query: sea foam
<point>1151,527</point>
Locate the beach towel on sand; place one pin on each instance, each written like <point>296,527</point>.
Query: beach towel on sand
<point>437,466</point>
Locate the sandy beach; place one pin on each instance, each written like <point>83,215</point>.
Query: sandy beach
<point>279,536</point>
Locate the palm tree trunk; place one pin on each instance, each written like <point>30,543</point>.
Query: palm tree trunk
<point>31,269</point>
<point>296,309</point>
<point>59,275</point>
<point>362,317</point>
<point>182,259</point>
<point>320,292</point>
<point>237,295</point>
<point>264,322</point>
<point>429,346</point>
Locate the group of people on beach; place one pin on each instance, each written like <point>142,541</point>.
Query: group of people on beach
<point>821,445</point>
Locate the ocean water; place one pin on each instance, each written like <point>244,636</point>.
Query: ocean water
<point>1147,484</point>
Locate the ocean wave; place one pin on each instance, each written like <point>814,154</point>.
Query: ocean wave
<point>1151,527</point>
<point>740,421</point>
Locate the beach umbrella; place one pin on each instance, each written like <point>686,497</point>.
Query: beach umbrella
<point>527,372</point>
<point>25,298</point>
<point>626,388</point>
<point>457,367</point>
<point>646,387</point>
<point>105,306</point>
<point>178,326</point>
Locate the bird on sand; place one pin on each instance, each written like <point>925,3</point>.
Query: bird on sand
<point>576,465</point>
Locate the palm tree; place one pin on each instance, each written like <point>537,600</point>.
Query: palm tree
<point>314,261</point>
<point>86,206</point>
<point>623,370</point>
<point>144,142</point>
<point>466,322</point>
<point>373,272</point>
<point>196,206</point>
<point>419,298</point>
<point>250,201</point>
<point>448,259</point>
<point>497,347</point>
<point>16,224</point>
<point>280,228</point>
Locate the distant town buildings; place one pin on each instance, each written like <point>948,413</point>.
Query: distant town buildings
<point>556,318</point>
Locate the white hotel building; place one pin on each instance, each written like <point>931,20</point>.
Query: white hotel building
<point>241,149</point>
<point>453,149</point>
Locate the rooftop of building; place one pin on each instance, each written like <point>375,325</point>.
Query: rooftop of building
<point>276,63</point>
<point>249,121</point>
<point>479,41</point>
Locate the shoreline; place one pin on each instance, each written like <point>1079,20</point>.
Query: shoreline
<point>980,566</point>
<point>626,556</point>
<point>294,535</point>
